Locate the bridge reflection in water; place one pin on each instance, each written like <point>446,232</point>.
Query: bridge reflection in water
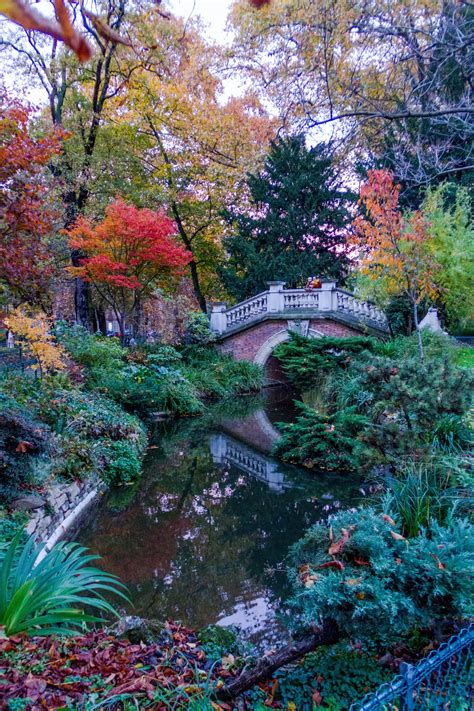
<point>203,537</point>
<point>229,451</point>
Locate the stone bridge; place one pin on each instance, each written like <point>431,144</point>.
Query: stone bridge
<point>252,329</point>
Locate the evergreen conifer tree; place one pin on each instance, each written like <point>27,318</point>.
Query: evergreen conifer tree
<point>295,225</point>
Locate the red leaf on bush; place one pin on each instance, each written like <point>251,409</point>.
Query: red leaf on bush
<point>332,564</point>
<point>23,446</point>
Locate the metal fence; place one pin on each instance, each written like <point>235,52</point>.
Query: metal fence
<point>443,681</point>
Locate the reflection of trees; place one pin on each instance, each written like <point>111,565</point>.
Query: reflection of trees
<point>197,537</point>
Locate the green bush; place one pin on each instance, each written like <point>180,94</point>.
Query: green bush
<point>406,400</point>
<point>156,377</point>
<point>81,426</point>
<point>198,329</point>
<point>122,462</point>
<point>304,360</point>
<point>325,442</point>
<point>218,376</point>
<point>26,446</point>
<point>91,350</point>
<point>412,409</point>
<point>360,572</point>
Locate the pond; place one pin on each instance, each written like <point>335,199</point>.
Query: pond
<point>203,536</point>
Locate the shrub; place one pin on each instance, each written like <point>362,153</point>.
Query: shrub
<point>198,329</point>
<point>122,463</point>
<point>157,377</point>
<point>84,424</point>
<point>178,396</point>
<point>360,572</point>
<point>218,376</point>
<point>407,399</point>
<point>305,359</point>
<point>40,598</point>
<point>91,350</point>
<point>326,442</point>
<point>25,446</point>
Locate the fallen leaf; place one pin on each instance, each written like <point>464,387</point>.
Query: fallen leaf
<point>311,579</point>
<point>353,581</point>
<point>332,564</point>
<point>228,661</point>
<point>359,561</point>
<point>441,566</point>
<point>389,520</point>
<point>398,537</point>
<point>23,446</point>
<point>337,547</point>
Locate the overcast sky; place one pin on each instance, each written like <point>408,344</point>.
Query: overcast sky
<point>213,12</point>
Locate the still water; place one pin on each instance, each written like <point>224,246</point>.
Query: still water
<point>204,535</point>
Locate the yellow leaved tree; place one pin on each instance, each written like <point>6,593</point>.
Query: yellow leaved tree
<point>34,331</point>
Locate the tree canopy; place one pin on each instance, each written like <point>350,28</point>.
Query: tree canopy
<point>294,225</point>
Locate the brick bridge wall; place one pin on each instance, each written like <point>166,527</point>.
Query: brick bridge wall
<point>245,344</point>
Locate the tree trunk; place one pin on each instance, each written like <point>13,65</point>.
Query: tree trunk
<point>266,666</point>
<point>197,287</point>
<point>121,320</point>
<point>99,322</point>
<point>418,332</point>
<point>81,301</point>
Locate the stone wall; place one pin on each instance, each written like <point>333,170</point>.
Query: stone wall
<point>62,505</point>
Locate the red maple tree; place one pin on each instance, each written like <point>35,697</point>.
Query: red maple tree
<point>127,255</point>
<point>26,262</point>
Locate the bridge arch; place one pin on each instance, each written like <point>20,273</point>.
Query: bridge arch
<point>267,348</point>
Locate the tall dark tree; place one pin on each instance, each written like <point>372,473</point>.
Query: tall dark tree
<point>295,225</point>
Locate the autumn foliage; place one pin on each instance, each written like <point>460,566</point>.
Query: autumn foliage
<point>34,331</point>
<point>394,246</point>
<point>26,263</point>
<point>127,254</point>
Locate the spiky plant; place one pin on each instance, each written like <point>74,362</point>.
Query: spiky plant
<point>48,595</point>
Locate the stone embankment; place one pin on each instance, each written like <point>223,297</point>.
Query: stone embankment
<point>55,511</point>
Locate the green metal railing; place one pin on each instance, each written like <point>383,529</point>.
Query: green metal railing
<point>443,681</point>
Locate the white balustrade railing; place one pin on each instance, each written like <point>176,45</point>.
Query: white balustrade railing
<point>364,310</point>
<point>278,300</point>
<point>246,310</point>
<point>300,299</point>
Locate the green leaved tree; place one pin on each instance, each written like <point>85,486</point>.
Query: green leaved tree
<point>294,226</point>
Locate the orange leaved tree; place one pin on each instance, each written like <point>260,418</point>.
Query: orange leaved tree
<point>392,246</point>
<point>126,255</point>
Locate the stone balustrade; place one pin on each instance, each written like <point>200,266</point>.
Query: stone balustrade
<point>280,302</point>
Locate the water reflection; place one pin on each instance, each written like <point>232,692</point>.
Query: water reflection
<point>204,535</point>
